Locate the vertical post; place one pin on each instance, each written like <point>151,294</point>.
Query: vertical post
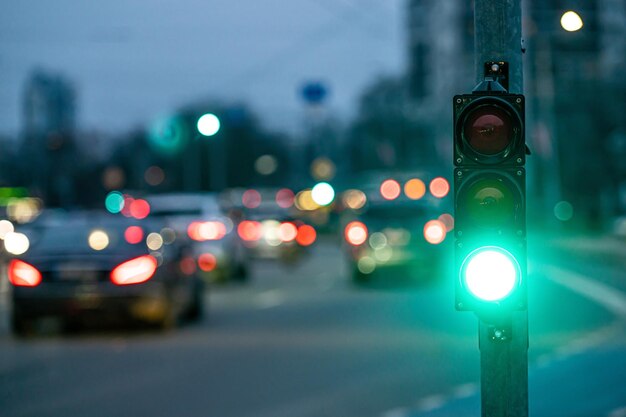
<point>503,347</point>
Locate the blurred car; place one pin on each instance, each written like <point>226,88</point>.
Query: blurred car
<point>271,232</point>
<point>85,265</point>
<point>408,237</point>
<point>198,218</point>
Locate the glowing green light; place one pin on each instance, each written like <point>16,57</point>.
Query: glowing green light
<point>208,124</point>
<point>490,273</point>
<point>168,135</point>
<point>114,202</point>
<point>323,193</point>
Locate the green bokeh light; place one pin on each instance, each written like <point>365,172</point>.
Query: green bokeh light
<point>114,202</point>
<point>563,211</point>
<point>168,135</point>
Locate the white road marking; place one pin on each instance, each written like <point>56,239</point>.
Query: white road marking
<point>465,390</point>
<point>610,298</point>
<point>618,412</point>
<point>269,299</point>
<point>431,403</point>
<point>397,412</point>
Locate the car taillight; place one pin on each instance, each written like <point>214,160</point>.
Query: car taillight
<point>22,274</point>
<point>306,235</point>
<point>287,231</point>
<point>356,233</point>
<point>249,230</point>
<point>211,230</point>
<point>207,262</point>
<point>434,232</point>
<point>135,271</point>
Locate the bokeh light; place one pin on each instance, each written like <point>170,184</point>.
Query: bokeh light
<point>390,189</point>
<point>415,189</point>
<point>366,265</point>
<point>249,230</point>
<point>266,164</point>
<point>6,227</point>
<point>154,241</point>
<point>434,232</point>
<point>447,220</point>
<point>114,202</point>
<point>98,239</point>
<point>439,187</point>
<point>304,201</point>
<point>571,21</point>
<point>168,135</point>
<point>306,235</point>
<point>323,169</point>
<point>285,198</point>
<point>207,262</point>
<point>113,177</point>
<point>133,234</point>
<point>139,209</point>
<point>323,193</point>
<point>208,124</point>
<point>251,199</point>
<point>356,233</point>
<point>563,211</point>
<point>16,243</point>
<point>154,175</point>
<point>354,199</point>
<point>287,231</point>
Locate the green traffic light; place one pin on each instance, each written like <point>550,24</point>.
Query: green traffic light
<point>208,124</point>
<point>490,273</point>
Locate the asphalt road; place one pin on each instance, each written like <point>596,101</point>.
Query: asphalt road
<point>301,340</point>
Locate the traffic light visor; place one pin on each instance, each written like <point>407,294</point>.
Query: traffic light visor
<point>488,129</point>
<point>490,273</point>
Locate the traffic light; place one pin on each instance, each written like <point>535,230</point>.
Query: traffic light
<point>208,124</point>
<point>489,200</point>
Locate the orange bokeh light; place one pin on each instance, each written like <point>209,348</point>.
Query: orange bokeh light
<point>415,189</point>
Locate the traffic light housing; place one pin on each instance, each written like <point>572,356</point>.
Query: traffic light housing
<point>489,201</point>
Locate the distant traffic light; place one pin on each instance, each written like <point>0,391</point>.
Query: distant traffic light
<point>208,124</point>
<point>489,199</point>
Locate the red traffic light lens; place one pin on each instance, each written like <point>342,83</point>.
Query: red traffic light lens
<point>488,130</point>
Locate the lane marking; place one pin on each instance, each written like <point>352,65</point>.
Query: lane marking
<point>269,299</point>
<point>465,390</point>
<point>432,402</point>
<point>618,412</point>
<point>398,412</point>
<point>610,298</point>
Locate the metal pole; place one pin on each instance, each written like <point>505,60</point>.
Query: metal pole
<point>503,347</point>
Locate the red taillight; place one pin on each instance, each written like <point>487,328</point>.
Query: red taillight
<point>287,231</point>
<point>135,271</point>
<point>306,235</point>
<point>207,262</point>
<point>22,274</point>
<point>249,230</point>
<point>434,232</point>
<point>356,233</point>
<point>212,230</point>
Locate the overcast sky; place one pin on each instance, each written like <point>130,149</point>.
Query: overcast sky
<point>132,60</point>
